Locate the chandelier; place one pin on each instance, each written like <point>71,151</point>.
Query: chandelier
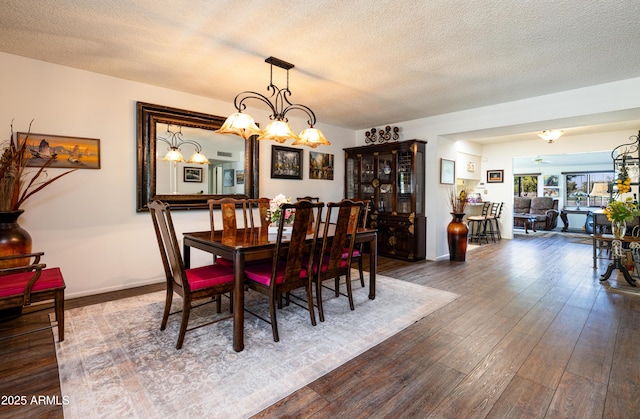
<point>278,128</point>
<point>551,136</point>
<point>175,141</point>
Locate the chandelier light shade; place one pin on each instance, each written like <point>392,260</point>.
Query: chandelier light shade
<point>278,102</point>
<point>551,136</point>
<point>311,137</point>
<point>175,141</point>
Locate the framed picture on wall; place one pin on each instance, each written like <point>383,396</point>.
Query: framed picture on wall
<point>286,162</point>
<point>239,177</point>
<point>192,174</point>
<point>551,180</point>
<point>63,151</point>
<point>495,176</point>
<point>320,165</point>
<point>227,177</point>
<point>447,171</point>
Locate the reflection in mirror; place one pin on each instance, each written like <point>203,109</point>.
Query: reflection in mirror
<point>184,183</point>
<point>224,175</point>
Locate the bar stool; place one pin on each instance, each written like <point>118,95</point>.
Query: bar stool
<point>478,223</point>
<point>493,221</point>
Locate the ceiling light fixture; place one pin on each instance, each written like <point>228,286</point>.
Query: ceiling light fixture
<point>175,141</point>
<point>551,136</point>
<point>278,129</point>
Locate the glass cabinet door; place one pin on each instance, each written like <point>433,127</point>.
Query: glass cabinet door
<point>352,179</point>
<point>404,188</point>
<point>385,172</point>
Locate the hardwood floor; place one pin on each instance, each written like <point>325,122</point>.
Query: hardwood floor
<point>533,334</point>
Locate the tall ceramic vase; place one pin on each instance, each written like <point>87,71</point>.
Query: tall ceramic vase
<point>457,232</point>
<point>14,240</point>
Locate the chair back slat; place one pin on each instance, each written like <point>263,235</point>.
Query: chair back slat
<point>262,206</point>
<point>343,239</point>
<point>228,208</point>
<point>168,245</point>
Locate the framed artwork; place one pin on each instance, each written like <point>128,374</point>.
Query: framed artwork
<point>551,180</point>
<point>228,177</point>
<point>239,177</point>
<point>320,165</point>
<point>65,152</point>
<point>471,166</point>
<point>495,176</point>
<point>286,162</point>
<point>447,171</point>
<point>552,192</point>
<point>192,174</point>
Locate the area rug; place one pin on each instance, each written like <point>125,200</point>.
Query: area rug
<point>115,362</point>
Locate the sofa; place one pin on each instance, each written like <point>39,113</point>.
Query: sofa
<point>544,208</point>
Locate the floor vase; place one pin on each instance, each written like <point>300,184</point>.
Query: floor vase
<point>457,232</point>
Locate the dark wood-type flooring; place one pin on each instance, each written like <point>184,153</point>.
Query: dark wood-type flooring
<point>533,334</point>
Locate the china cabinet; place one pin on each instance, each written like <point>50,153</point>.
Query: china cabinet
<point>392,177</point>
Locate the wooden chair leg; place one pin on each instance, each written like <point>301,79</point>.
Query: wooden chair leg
<point>218,303</point>
<point>349,294</point>
<point>186,310</point>
<point>310,304</point>
<point>59,303</point>
<point>319,300</point>
<point>337,286</point>
<point>274,321</point>
<point>361,270</point>
<point>167,309</point>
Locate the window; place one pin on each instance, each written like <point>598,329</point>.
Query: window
<point>578,188</point>
<point>525,185</point>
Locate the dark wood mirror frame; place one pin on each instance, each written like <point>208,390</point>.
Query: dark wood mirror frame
<point>148,115</point>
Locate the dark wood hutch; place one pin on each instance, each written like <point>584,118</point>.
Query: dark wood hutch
<point>392,177</point>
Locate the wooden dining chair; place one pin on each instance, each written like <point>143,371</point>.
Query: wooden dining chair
<point>228,207</point>
<point>331,262</point>
<point>209,282</point>
<point>30,281</point>
<point>262,207</point>
<point>289,268</point>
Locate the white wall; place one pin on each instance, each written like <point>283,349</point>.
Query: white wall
<point>86,222</point>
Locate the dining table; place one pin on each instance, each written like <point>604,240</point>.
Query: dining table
<point>250,244</point>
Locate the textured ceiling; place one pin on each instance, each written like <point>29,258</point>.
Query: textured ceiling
<point>359,63</point>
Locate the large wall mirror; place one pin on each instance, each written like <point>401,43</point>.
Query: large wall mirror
<point>232,169</point>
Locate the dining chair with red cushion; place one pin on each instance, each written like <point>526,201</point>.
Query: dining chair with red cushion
<point>358,249</point>
<point>30,282</point>
<point>289,269</point>
<point>336,252</point>
<point>205,282</point>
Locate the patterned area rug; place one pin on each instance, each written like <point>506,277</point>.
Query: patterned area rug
<point>115,362</point>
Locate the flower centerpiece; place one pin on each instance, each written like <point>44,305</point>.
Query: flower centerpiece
<point>619,211</point>
<point>276,215</point>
